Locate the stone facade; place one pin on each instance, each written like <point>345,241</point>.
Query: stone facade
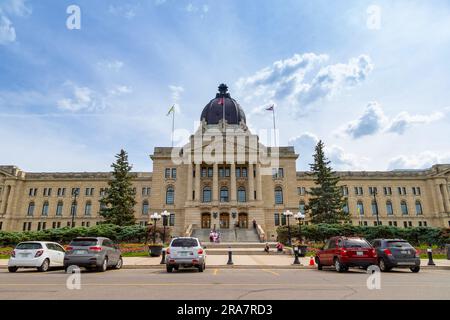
<point>227,190</point>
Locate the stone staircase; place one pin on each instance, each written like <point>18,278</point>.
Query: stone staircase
<point>228,235</point>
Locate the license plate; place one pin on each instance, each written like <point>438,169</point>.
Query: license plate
<point>80,252</point>
<point>403,263</point>
<point>359,253</point>
<point>404,252</point>
<point>183,254</point>
<point>24,255</point>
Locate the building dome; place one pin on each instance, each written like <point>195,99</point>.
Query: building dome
<point>214,111</point>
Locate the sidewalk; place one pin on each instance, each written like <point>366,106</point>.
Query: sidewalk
<point>244,261</point>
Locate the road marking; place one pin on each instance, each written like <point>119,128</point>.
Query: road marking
<point>270,271</point>
<point>215,271</point>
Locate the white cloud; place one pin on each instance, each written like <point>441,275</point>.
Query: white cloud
<point>86,99</point>
<point>7,31</point>
<point>305,144</point>
<point>404,121</point>
<point>114,65</point>
<point>16,7</point>
<point>374,120</point>
<point>176,92</point>
<point>421,160</point>
<point>127,11</point>
<point>304,79</point>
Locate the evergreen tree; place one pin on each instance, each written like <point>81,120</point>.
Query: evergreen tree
<point>118,204</point>
<point>326,203</point>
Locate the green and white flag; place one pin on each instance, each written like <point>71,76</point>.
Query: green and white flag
<point>172,109</point>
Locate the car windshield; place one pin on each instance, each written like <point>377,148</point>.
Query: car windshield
<point>83,242</point>
<point>29,246</point>
<point>398,244</point>
<point>356,243</point>
<point>184,243</point>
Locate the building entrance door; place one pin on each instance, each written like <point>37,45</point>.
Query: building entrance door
<point>224,221</point>
<point>243,220</point>
<point>206,221</point>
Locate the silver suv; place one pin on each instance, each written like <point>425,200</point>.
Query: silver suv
<point>93,253</point>
<point>187,253</point>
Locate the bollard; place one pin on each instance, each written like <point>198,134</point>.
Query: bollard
<point>230,256</point>
<point>296,261</point>
<point>430,257</point>
<point>163,257</point>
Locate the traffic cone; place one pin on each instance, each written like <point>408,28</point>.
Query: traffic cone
<point>311,261</point>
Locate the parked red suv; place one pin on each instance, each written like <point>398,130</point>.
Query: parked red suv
<point>343,252</point>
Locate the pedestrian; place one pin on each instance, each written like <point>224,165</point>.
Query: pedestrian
<point>211,236</point>
<point>279,247</point>
<point>267,248</point>
<point>254,223</point>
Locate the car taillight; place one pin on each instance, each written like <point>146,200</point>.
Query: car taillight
<point>167,251</point>
<point>96,248</point>
<point>343,252</point>
<point>417,254</point>
<point>39,253</point>
<point>388,252</point>
<point>13,253</point>
<point>200,251</point>
<point>374,252</point>
<point>69,248</point>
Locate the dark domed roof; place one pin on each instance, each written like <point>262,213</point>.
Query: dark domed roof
<point>213,111</point>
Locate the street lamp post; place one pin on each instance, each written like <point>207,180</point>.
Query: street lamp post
<point>288,214</point>
<point>299,216</point>
<point>155,217</point>
<point>74,206</point>
<point>165,216</point>
<point>374,192</point>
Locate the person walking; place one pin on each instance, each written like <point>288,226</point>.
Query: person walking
<point>254,223</point>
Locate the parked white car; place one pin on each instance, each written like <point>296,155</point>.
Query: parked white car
<point>36,254</point>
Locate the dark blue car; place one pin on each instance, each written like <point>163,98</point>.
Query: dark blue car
<point>396,253</point>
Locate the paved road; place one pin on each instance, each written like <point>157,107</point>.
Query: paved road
<point>225,284</point>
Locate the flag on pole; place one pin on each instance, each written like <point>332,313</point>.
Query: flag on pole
<point>171,110</point>
<point>270,108</point>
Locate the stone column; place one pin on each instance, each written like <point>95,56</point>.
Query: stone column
<point>9,201</point>
<point>258,182</point>
<point>215,187</point>
<point>4,199</point>
<point>233,182</point>
<point>251,183</point>
<point>189,182</point>
<point>439,197</point>
<point>446,197</point>
<point>197,182</point>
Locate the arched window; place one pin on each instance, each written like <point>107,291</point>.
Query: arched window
<point>59,208</point>
<point>278,195</point>
<point>345,208</point>
<point>242,196</point>
<point>404,207</point>
<point>145,207</point>
<point>419,208</point>
<point>301,207</point>
<point>88,208</point>
<point>30,211</point>
<point>224,194</point>
<point>374,208</point>
<point>206,194</point>
<point>45,208</point>
<point>389,209</point>
<point>360,208</point>
<point>170,195</point>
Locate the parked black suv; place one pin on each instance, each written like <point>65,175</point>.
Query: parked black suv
<point>396,253</point>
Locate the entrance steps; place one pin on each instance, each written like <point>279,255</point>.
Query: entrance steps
<point>228,235</point>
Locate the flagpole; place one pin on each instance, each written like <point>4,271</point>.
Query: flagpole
<point>173,123</point>
<point>274,127</point>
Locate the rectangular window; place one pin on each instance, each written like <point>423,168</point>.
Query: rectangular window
<point>238,172</point>
<point>277,219</point>
<point>372,190</point>
<point>174,173</point>
<point>1,225</point>
<point>221,172</point>
<point>399,189</point>
<point>24,226</point>
<point>227,172</point>
<point>244,172</point>
<point>283,220</point>
<point>167,173</point>
<point>404,190</point>
<point>39,226</point>
<point>172,220</point>
<point>75,191</point>
<point>405,224</point>
<point>425,224</point>
<point>210,172</point>
<point>409,223</point>
<point>418,191</point>
<point>344,191</point>
<point>47,192</point>
<point>420,223</point>
<point>61,192</point>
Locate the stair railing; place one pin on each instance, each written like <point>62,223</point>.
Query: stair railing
<point>261,233</point>
<point>188,231</point>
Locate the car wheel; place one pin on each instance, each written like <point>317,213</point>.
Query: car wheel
<point>319,265</point>
<point>12,269</point>
<point>119,264</point>
<point>44,266</point>
<point>104,265</point>
<point>339,266</point>
<point>169,268</point>
<point>383,266</point>
<point>415,269</point>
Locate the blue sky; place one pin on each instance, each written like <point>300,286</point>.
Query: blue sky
<point>370,78</point>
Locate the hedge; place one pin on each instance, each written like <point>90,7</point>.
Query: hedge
<point>321,232</point>
<point>133,233</point>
